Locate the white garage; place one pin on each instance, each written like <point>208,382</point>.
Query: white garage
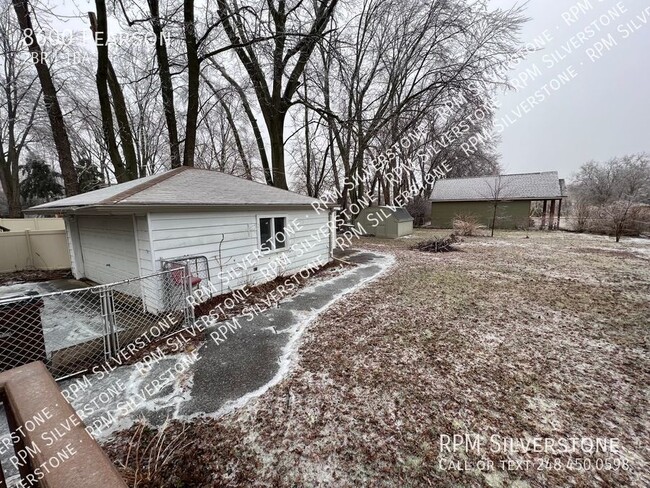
<point>107,248</point>
<point>238,230</point>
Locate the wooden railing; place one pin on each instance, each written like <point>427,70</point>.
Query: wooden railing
<point>51,448</point>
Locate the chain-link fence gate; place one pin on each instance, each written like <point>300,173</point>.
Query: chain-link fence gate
<point>72,331</point>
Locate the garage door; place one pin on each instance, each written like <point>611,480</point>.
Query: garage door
<point>108,248</point>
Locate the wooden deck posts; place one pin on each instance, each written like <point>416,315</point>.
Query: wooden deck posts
<point>551,217</point>
<point>548,214</point>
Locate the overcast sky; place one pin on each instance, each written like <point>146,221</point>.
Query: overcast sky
<point>604,110</point>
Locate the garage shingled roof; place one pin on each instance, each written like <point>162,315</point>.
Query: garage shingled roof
<point>524,186</point>
<point>181,186</point>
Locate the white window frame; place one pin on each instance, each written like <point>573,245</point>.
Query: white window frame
<point>287,243</point>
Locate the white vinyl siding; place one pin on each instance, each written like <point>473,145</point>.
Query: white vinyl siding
<point>74,247</point>
<point>108,248</point>
<point>226,238</point>
<point>143,245</point>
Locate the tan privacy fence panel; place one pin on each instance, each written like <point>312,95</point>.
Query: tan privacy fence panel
<point>33,249</point>
<point>32,224</point>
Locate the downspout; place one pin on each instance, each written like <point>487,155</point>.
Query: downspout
<point>332,226</point>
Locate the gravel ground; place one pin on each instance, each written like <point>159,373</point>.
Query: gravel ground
<point>519,337</point>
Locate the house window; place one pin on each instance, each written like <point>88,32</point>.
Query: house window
<point>272,236</point>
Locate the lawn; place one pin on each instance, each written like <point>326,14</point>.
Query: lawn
<point>520,336</point>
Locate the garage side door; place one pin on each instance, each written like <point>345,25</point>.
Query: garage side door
<point>108,248</point>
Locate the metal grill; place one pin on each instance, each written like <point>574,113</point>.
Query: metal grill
<point>71,331</point>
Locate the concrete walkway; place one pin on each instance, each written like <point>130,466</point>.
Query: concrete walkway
<point>227,374</point>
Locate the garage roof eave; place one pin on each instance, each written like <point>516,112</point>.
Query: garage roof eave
<point>140,208</point>
<point>51,210</point>
<point>513,199</point>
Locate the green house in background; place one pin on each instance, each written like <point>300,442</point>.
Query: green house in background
<point>512,195</point>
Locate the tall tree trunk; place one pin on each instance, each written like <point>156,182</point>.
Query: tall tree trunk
<point>310,185</point>
<point>9,158</point>
<point>335,170</point>
<point>15,207</point>
<point>240,147</point>
<point>252,119</point>
<point>275,125</point>
<point>11,188</point>
<point>193,70</point>
<point>166,86</point>
<point>122,117</point>
<point>98,26</point>
<point>330,120</point>
<point>57,124</point>
<point>119,103</point>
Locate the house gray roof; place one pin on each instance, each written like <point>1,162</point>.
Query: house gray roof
<point>524,186</point>
<point>190,187</point>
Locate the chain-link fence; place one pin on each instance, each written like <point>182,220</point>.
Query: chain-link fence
<point>71,331</point>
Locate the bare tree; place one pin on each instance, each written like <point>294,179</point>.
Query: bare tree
<point>166,85</point>
<point>360,76</point>
<point>291,38</point>
<point>198,45</point>
<point>84,120</point>
<point>495,191</point>
<point>311,149</point>
<point>616,188</point>
<point>19,104</point>
<point>144,108</point>
<point>252,119</point>
<point>127,169</point>
<point>394,65</point>
<point>59,131</point>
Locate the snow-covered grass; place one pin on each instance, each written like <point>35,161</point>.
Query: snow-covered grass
<point>521,335</point>
<point>68,318</point>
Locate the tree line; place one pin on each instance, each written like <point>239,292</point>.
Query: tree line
<point>613,197</point>
<point>299,94</point>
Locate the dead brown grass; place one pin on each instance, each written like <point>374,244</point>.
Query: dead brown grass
<point>516,337</point>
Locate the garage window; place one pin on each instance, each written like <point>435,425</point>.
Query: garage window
<point>272,236</point>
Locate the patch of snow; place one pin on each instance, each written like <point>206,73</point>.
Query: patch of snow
<point>11,290</point>
<point>134,383</point>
